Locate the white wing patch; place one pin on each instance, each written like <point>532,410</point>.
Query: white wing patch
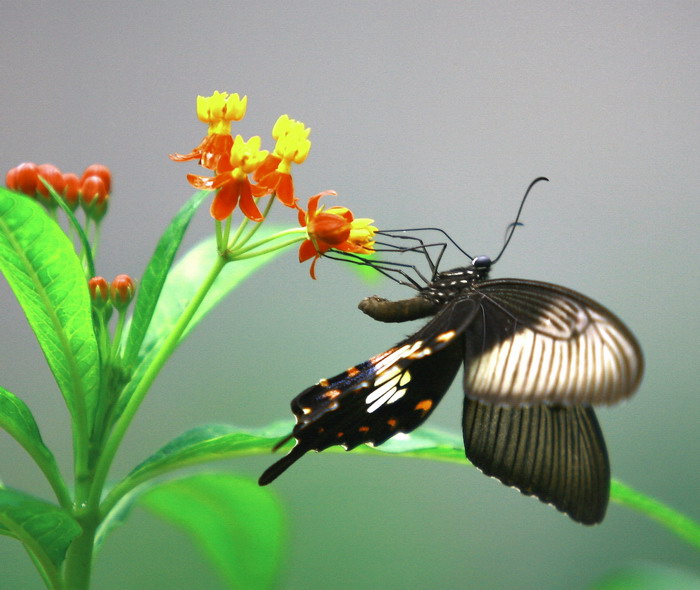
<point>573,354</point>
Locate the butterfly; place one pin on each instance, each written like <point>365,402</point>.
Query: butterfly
<point>536,358</point>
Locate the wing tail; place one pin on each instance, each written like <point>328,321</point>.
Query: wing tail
<point>278,468</point>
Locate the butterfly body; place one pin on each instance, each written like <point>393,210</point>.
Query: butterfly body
<point>536,357</point>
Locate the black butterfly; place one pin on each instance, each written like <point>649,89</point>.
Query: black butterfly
<point>536,357</point>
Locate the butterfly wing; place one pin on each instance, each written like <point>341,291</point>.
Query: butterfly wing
<point>538,343</point>
<point>392,392</point>
<point>556,453</point>
<point>536,356</point>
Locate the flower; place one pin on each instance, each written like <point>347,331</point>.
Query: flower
<point>233,184</point>
<point>334,228</point>
<point>275,175</point>
<point>218,110</point>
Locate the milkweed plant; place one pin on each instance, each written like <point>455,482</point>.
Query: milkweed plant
<point>105,343</point>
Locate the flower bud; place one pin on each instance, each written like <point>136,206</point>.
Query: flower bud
<point>54,177</point>
<point>99,291</point>
<point>94,196</point>
<point>121,291</point>
<point>100,171</point>
<point>24,178</point>
<point>71,184</point>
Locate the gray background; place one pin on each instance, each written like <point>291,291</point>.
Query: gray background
<point>422,113</point>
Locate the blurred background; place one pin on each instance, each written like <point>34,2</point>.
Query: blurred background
<point>422,113</point>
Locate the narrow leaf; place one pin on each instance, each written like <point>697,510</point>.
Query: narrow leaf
<point>222,441</point>
<point>119,514</point>
<point>219,441</point>
<point>45,274</point>
<point>237,524</point>
<point>185,278</point>
<point>151,283</point>
<point>180,287</point>
<point>649,577</point>
<point>45,529</point>
<point>18,421</point>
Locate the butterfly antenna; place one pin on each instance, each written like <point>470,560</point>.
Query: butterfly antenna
<point>517,222</point>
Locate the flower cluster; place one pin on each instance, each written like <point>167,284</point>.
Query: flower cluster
<point>90,191</point>
<point>243,173</point>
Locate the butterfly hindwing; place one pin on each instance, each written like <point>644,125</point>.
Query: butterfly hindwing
<point>536,342</point>
<point>392,392</point>
<point>556,453</point>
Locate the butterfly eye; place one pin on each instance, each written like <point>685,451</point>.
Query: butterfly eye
<point>481,262</point>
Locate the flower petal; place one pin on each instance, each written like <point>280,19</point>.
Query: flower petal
<point>224,202</point>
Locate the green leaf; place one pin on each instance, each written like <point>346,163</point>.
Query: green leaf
<point>222,441</point>
<point>649,577</point>
<point>185,278</point>
<point>151,283</point>
<point>238,525</point>
<point>119,514</point>
<point>18,421</point>
<point>45,529</point>
<point>46,276</point>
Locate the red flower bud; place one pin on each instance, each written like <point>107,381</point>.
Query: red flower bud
<point>54,177</point>
<point>70,190</point>
<point>11,179</point>
<point>101,171</point>
<point>99,291</point>
<point>94,195</point>
<point>121,291</point>
<point>23,178</point>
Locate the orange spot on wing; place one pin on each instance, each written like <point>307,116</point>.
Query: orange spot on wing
<point>424,405</point>
<point>391,422</point>
<point>352,371</point>
<point>363,429</point>
<point>331,393</point>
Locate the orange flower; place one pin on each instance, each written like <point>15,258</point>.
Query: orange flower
<point>232,183</point>
<point>275,175</point>
<point>335,228</point>
<point>218,110</point>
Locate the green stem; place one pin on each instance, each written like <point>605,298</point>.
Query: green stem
<point>149,376</point>
<point>78,564</point>
<point>242,253</point>
<point>251,233</point>
<point>234,240</point>
<point>680,524</point>
<point>117,339</point>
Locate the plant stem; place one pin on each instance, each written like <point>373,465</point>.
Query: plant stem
<point>78,564</point>
<point>149,376</point>
<point>244,253</point>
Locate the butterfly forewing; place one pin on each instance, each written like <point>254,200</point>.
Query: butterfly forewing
<point>392,392</point>
<point>556,453</point>
<point>540,343</point>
